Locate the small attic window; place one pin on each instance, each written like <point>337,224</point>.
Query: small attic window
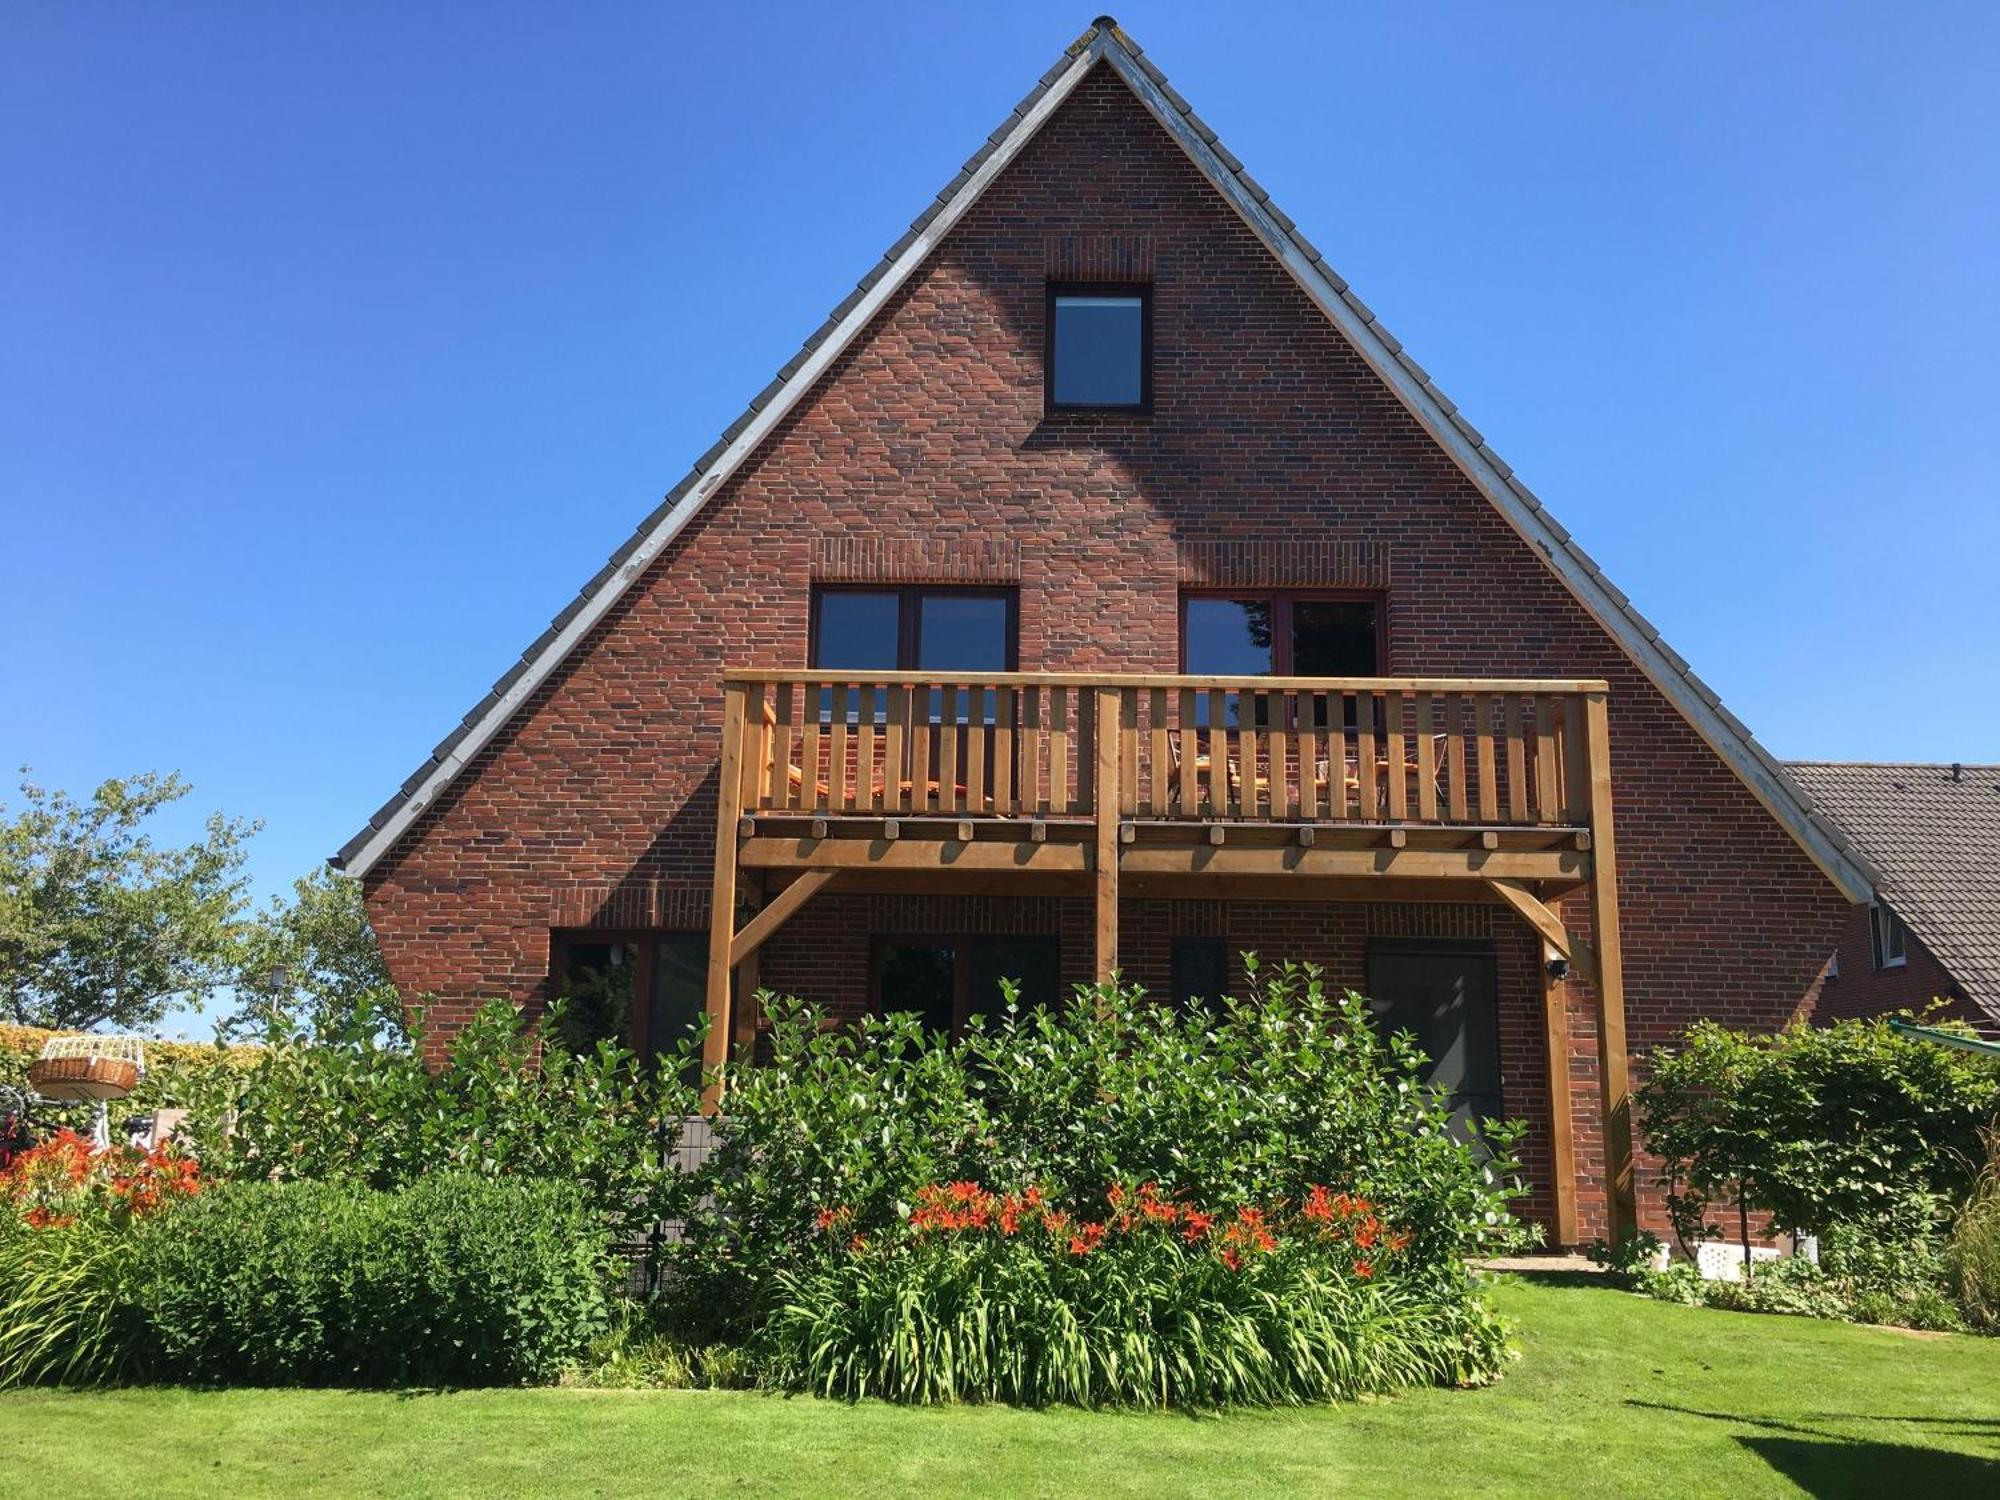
<point>1891,947</point>
<point>1100,347</point>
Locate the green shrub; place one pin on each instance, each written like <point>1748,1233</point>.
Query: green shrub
<point>985,1297</point>
<point>358,1107</point>
<point>1252,1102</point>
<point>452,1280</point>
<point>1848,1127</point>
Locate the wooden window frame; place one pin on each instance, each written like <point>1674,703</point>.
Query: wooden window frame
<point>961,963</point>
<point>909,617</point>
<point>642,941</point>
<point>1143,292</point>
<point>1282,600</point>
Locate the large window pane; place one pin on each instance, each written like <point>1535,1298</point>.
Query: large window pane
<point>962,633</point>
<point>1099,357</point>
<point>1229,637</point>
<point>1333,638</point>
<point>1033,962</point>
<point>922,978</point>
<point>594,980</point>
<point>858,631</point>
<point>680,994</point>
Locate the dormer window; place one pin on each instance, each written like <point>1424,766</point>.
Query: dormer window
<point>1100,348</point>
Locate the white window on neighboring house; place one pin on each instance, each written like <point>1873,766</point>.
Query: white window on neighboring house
<point>1887,930</point>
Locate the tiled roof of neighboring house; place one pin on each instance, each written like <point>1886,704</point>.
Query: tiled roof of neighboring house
<point>1105,42</point>
<point>1933,834</point>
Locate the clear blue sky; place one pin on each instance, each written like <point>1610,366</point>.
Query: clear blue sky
<point>340,344</point>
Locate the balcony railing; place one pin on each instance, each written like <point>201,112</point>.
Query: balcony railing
<point>1032,745</point>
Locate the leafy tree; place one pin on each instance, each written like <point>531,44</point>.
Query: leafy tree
<point>100,925</point>
<point>310,965</point>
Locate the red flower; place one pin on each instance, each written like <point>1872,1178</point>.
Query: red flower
<point>1195,1225</point>
<point>1087,1238</point>
<point>1364,1269</point>
<point>1368,1232</point>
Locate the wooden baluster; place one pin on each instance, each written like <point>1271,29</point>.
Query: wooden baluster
<point>1033,737</point>
<point>1190,771</point>
<point>1309,727</point>
<point>948,730</point>
<point>1003,751</point>
<point>1128,751</point>
<point>1370,809</point>
<point>1157,773</point>
<point>1277,753</point>
<point>836,753</point>
<point>1454,755</point>
<point>1427,776</point>
<point>1546,810</point>
<point>1218,755</point>
<point>896,751</point>
<point>1483,710</point>
<point>1516,724</point>
<point>754,762</point>
<point>782,793</point>
<point>1397,756</point>
<point>867,784</point>
<point>977,737</point>
<point>1059,701</point>
<point>1336,755</point>
<point>809,789</point>
<point>921,769</point>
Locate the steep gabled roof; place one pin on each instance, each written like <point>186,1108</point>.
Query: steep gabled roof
<point>1933,834</point>
<point>1107,45</point>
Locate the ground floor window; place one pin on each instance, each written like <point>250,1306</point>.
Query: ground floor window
<point>948,980</point>
<point>1445,992</point>
<point>1199,967</point>
<point>646,990</point>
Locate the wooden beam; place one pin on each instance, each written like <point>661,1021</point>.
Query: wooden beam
<point>1295,859</point>
<point>1317,890</point>
<point>776,912</point>
<point>1562,1128</point>
<point>1614,1062</point>
<point>722,897</point>
<point>912,854</point>
<point>1109,730</point>
<point>1546,922</point>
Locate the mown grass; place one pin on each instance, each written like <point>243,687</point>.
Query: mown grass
<point>1613,1395</point>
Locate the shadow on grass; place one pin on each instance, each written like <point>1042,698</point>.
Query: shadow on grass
<point>1831,1464</point>
<point>1846,1466</point>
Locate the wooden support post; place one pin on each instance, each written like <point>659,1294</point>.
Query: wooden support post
<point>1110,729</point>
<point>743,1009</point>
<point>722,896</point>
<point>1613,1063</point>
<point>1562,1132</point>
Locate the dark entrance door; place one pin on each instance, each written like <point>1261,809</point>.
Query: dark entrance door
<point>1447,992</point>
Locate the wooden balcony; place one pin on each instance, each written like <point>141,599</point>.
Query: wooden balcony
<point>1254,788</point>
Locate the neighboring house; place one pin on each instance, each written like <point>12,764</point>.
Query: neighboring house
<point>1933,932</point>
<point>1103,587</point>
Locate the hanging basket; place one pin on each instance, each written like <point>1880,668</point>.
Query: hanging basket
<point>69,1079</point>
<point>87,1068</point>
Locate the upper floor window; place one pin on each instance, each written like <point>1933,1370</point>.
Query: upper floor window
<point>913,629</point>
<point>1282,633</point>
<point>1886,928</point>
<point>1100,348</point>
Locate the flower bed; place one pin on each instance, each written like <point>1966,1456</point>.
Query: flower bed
<point>1154,1300</point>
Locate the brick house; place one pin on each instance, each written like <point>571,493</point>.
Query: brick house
<point>1103,587</point>
<point>1932,833</point>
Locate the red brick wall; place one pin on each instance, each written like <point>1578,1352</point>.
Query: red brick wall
<point>1864,990</point>
<point>1272,453</point>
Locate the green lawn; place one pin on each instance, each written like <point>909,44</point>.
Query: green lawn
<point>1612,1395</point>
